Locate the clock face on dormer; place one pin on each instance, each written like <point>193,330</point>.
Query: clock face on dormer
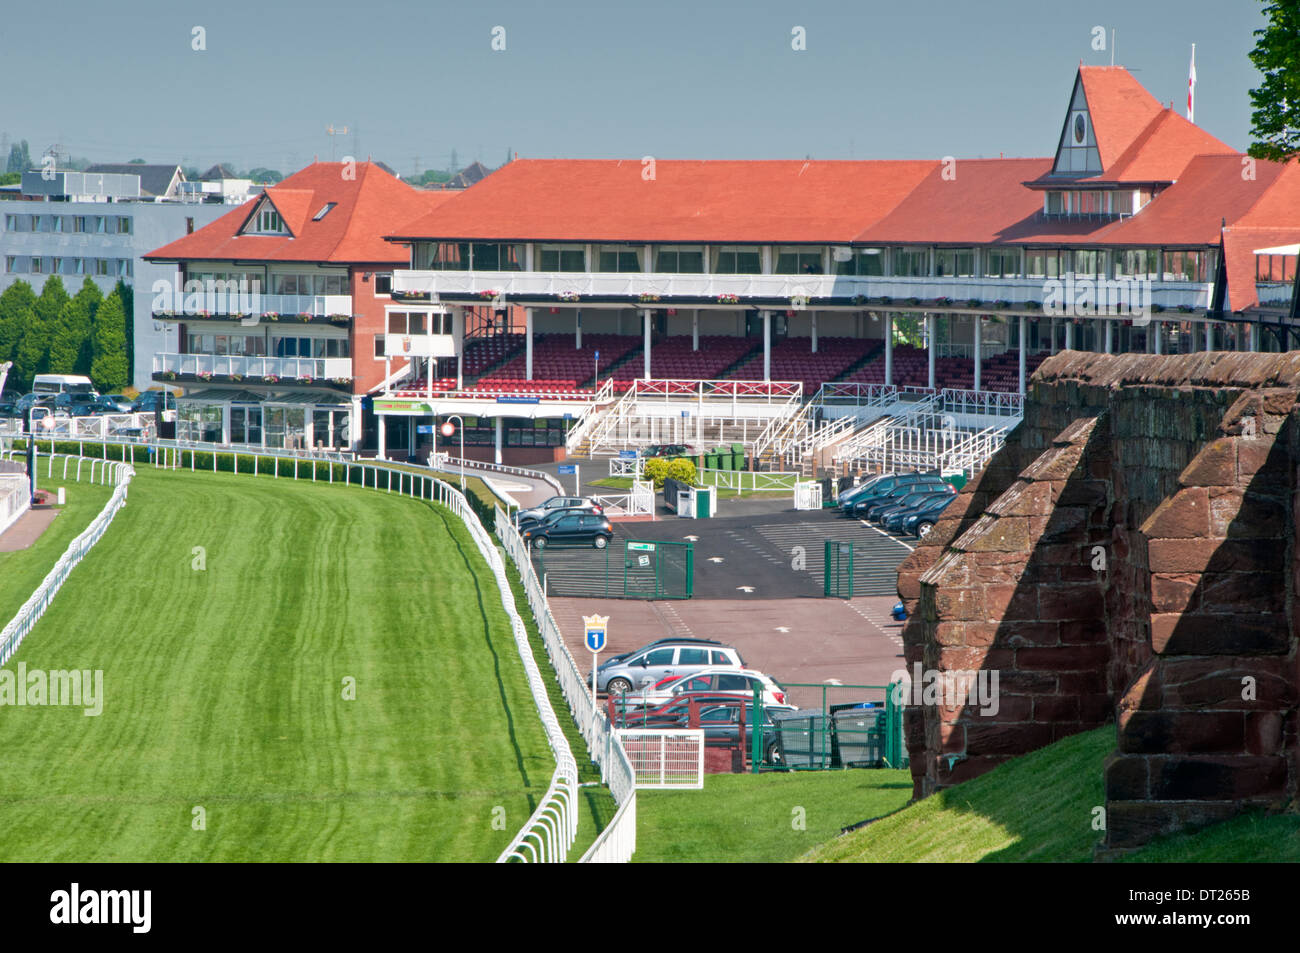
<point>1080,128</point>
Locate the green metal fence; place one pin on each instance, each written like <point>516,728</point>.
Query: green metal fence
<point>836,735</point>
<point>837,569</point>
<point>649,569</point>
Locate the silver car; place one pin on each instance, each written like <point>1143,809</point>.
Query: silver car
<point>658,660</point>
<point>553,504</point>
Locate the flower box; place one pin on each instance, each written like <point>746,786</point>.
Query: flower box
<point>728,299</point>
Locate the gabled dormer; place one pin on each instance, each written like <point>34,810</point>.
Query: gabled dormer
<point>266,220</point>
<point>1077,153</point>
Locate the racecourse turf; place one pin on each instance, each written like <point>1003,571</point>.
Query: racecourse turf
<point>225,734</point>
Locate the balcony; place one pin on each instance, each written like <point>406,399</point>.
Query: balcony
<point>320,371</point>
<point>777,291</point>
<point>218,305</point>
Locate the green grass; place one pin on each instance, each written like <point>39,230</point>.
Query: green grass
<point>1039,807</point>
<point>747,818</point>
<point>223,687</point>
<point>22,571</point>
<point>614,483</point>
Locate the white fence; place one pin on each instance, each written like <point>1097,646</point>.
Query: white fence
<point>32,610</point>
<point>665,758</point>
<point>640,502</point>
<point>15,498</point>
<point>621,467</point>
<point>617,842</point>
<point>750,481</point>
<point>551,830</point>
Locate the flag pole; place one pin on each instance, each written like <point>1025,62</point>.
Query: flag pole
<point>1191,87</point>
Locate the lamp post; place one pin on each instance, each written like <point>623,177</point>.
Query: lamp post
<point>447,431</point>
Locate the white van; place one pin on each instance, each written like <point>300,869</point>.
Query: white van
<point>61,384</point>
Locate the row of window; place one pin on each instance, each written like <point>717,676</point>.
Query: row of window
<point>402,322</point>
<point>51,265</point>
<point>278,427</point>
<point>253,345</point>
<point>1096,202</point>
<point>70,224</point>
<point>906,261</point>
<point>310,284</point>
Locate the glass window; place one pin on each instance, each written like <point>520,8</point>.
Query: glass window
<point>954,262</point>
<point>864,262</point>
<point>911,262</point>
<point>445,256</point>
<point>1002,262</point>
<point>737,260</point>
<point>383,284</point>
<point>660,657</point>
<point>798,260</point>
<point>562,258</point>
<point>693,656</point>
<point>619,258</point>
<point>679,260</point>
<point>494,257</point>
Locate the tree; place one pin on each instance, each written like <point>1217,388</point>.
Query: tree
<point>33,355</point>
<point>1275,122</point>
<point>20,158</point>
<point>265,176</point>
<point>108,369</point>
<point>137,162</point>
<point>127,294</point>
<point>71,332</point>
<point>17,310</point>
<point>90,298</point>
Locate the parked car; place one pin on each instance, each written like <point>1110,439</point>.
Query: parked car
<point>571,529</point>
<point>26,402</point>
<point>550,516</point>
<point>854,492</point>
<point>152,400</point>
<point>667,658</point>
<point>668,450</point>
<point>906,499</point>
<point>77,404</point>
<point>9,403</point>
<point>858,507</point>
<point>720,719</point>
<point>554,503</point>
<point>920,524</point>
<point>879,486</point>
<point>724,681</point>
<point>907,520</point>
<point>120,403</point>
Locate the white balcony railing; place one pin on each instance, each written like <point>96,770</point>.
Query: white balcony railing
<point>286,369</point>
<point>523,284</point>
<point>216,300</point>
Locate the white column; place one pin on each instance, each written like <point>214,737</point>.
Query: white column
<point>814,332</point>
<point>500,431</point>
<point>1209,335</point>
<point>645,318</point>
<point>1110,336</point>
<point>1024,331</point>
<point>932,325</point>
<point>528,346</point>
<point>1069,334</point>
<point>1053,345</point>
<point>458,316</point>
<point>382,428</point>
<point>695,329</point>
<point>1155,327</point>
<point>767,345</point>
<point>979,327</point>
<point>577,332</point>
<point>889,348</point>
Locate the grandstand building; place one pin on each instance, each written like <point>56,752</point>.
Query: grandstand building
<point>564,306</point>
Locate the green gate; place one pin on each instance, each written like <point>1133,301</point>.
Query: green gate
<point>655,569</point>
<point>837,570</point>
<point>833,736</point>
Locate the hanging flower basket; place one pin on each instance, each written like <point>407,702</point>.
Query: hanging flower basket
<point>270,379</point>
<point>488,294</point>
<point>728,299</point>
<point>569,296</point>
<point>647,297</point>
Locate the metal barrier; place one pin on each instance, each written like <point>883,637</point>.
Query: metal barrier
<point>812,739</point>
<point>667,758</point>
<point>32,610</point>
<point>552,828</point>
<point>750,481</point>
<point>617,842</point>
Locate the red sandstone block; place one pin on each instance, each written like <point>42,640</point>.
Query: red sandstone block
<point>1185,515</point>
<point>1029,683</point>
<point>1065,658</point>
<point>1007,603</point>
<point>1259,455</point>
<point>1264,732</point>
<point>1056,708</point>
<point>1006,739</point>
<point>973,658</point>
<point>1070,601</point>
<point>1218,778</point>
<point>1086,682</point>
<point>1008,535</point>
<point>1095,709</point>
<point>1219,555</point>
<point>1237,592</point>
<point>1083,631</point>
<point>952,738</point>
<point>1220,682</point>
<point>1215,465</point>
<point>1133,823</point>
<point>1164,731</point>
<point>1175,592</point>
<point>1145,691</point>
<point>1017,634</point>
<point>1126,777</point>
<point>1222,634</point>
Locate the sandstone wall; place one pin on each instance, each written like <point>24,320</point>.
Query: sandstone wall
<point>1128,554</point>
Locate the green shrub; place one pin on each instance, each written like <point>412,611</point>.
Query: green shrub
<point>658,469</point>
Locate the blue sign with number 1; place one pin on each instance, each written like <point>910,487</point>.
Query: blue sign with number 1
<point>595,640</point>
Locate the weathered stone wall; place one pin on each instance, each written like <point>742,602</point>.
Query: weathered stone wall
<point>1128,554</point>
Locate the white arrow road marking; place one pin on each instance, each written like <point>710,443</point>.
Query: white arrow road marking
<point>783,628</point>
<point>715,559</point>
<point>831,681</point>
<point>691,539</point>
<point>745,588</point>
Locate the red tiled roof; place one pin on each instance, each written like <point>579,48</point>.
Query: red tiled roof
<point>1161,151</point>
<point>1273,220</point>
<point>366,206</point>
<point>1119,108</point>
<point>687,201</point>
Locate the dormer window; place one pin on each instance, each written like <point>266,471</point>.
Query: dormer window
<point>325,210</point>
<point>266,221</point>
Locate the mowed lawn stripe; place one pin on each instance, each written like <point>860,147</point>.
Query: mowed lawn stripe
<point>226,685</point>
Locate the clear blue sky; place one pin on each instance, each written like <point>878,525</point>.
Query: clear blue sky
<point>594,78</point>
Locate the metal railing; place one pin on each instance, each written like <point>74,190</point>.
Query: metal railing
<point>286,369</point>
<point>590,416</point>
<point>982,402</point>
<point>753,481</point>
<point>32,610</point>
<point>617,842</point>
